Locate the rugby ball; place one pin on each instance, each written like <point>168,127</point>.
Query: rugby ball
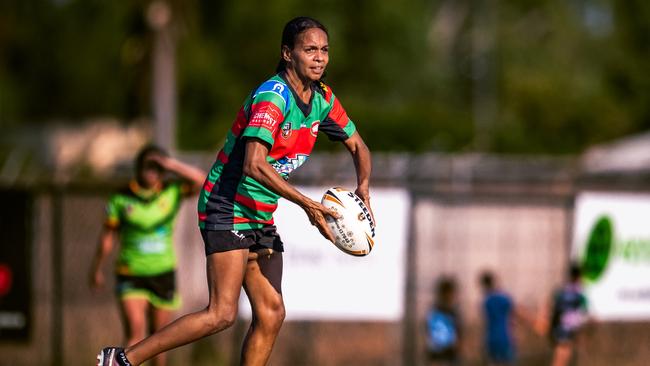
<point>355,229</point>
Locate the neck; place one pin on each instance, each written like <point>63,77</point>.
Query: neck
<point>142,186</point>
<point>300,85</point>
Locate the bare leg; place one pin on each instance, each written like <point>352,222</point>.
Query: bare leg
<point>562,354</point>
<point>225,273</point>
<point>161,317</point>
<point>262,285</point>
<point>134,312</point>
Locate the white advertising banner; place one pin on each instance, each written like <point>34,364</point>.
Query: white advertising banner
<point>611,240</point>
<point>320,282</point>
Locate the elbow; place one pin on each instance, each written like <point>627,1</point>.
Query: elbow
<point>199,180</point>
<point>359,147</point>
<point>105,248</point>
<point>251,169</point>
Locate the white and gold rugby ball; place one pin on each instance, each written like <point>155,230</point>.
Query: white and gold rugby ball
<point>354,231</point>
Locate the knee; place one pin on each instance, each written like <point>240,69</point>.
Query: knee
<point>220,317</point>
<point>271,315</point>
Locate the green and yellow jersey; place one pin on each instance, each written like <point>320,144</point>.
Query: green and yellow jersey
<point>144,220</point>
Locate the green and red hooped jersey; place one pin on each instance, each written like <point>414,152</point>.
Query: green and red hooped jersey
<point>274,114</point>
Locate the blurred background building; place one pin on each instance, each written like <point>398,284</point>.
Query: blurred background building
<point>500,131</point>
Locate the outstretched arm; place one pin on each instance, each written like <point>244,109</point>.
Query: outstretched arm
<point>363,165</point>
<point>525,317</point>
<point>256,167</point>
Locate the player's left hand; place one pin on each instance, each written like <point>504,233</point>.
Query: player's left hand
<point>364,193</point>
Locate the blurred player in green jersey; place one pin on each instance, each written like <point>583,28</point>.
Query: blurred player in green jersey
<point>142,217</point>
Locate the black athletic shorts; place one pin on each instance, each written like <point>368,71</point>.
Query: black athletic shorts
<point>159,290</point>
<point>224,240</point>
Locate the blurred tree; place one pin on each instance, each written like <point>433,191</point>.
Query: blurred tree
<point>554,85</point>
<point>72,59</point>
<point>560,75</point>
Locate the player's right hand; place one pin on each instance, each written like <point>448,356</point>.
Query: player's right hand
<point>316,212</point>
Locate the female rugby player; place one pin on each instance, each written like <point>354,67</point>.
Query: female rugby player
<point>143,216</point>
<point>273,134</point>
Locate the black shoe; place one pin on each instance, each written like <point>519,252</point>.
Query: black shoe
<point>112,356</point>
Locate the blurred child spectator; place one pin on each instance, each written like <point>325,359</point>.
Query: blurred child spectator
<point>498,311</point>
<point>443,325</point>
<point>569,315</point>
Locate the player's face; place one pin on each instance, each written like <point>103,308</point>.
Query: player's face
<point>309,56</point>
<point>150,175</point>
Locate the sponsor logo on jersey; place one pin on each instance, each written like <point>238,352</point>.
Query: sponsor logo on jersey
<point>286,165</point>
<point>275,87</point>
<point>314,128</point>
<point>286,130</point>
<point>323,86</point>
<point>265,117</point>
<point>278,87</point>
<point>151,246</point>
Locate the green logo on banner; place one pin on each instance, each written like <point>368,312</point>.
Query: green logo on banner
<point>599,249</point>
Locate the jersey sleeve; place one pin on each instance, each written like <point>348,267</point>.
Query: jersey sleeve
<point>112,213</point>
<point>336,125</point>
<point>185,189</point>
<point>268,107</point>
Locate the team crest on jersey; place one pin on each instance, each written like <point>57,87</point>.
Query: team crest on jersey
<point>286,130</point>
<point>314,128</point>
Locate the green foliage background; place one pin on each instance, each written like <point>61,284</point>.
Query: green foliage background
<point>564,74</point>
